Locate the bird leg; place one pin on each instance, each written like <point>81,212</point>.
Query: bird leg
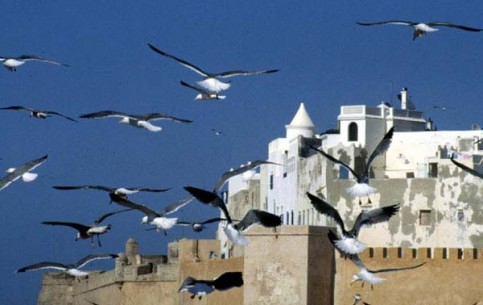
<point>199,298</point>
<point>99,241</point>
<point>360,201</point>
<point>372,287</point>
<point>369,200</point>
<point>165,233</point>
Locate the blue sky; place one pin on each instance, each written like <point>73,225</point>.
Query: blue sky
<point>326,61</point>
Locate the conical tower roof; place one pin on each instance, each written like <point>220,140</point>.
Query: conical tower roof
<point>301,124</point>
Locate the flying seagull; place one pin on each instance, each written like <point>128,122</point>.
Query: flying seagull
<point>421,28</point>
<point>231,173</point>
<point>71,269</point>
<point>152,217</point>
<point>11,63</point>
<point>466,168</point>
<point>233,231</point>
<point>38,114</point>
<point>23,171</point>
<point>199,226</point>
<point>140,121</point>
<point>88,231</point>
<point>362,188</point>
<point>121,191</point>
<point>211,83</point>
<point>200,288</point>
<point>204,94</point>
<point>347,241</point>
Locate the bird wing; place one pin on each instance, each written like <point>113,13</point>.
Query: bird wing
<point>228,280</point>
<point>210,198</point>
<point>374,216</point>
<point>466,168</point>
<point>175,206</point>
<point>323,153</point>
<point>457,26</point>
<point>227,175</point>
<point>105,114</point>
<point>80,187</point>
<point>60,114</point>
<point>181,61</point>
<point>357,261</point>
<point>19,171</point>
<point>43,265</point>
<point>394,22</point>
<point>79,227</point>
<point>17,108</point>
<point>243,72</point>
<point>159,116</point>
<point>38,58</point>
<point>129,204</point>
<point>200,90</point>
<point>103,217</point>
<point>92,257</point>
<point>380,149</point>
<point>324,208</point>
<point>213,220</point>
<point>253,217</point>
<point>396,269</point>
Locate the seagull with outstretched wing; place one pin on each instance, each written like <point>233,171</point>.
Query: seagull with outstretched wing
<point>121,191</point>
<point>421,28</point>
<point>23,171</point>
<point>11,63</point>
<point>38,114</point>
<point>362,188</point>
<point>234,231</point>
<point>71,269</point>
<point>88,231</point>
<point>347,241</point>
<point>136,120</point>
<point>155,218</point>
<point>211,83</point>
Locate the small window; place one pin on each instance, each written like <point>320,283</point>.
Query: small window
<point>291,222</point>
<point>271,181</point>
<point>461,215</point>
<point>353,132</point>
<point>410,175</point>
<point>425,217</point>
<point>433,170</point>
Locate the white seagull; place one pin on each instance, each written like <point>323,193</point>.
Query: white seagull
<point>421,28</point>
<point>211,83</point>
<point>38,114</point>
<point>11,63</point>
<point>23,171</point>
<point>203,94</point>
<point>233,231</point>
<point>88,231</point>
<point>155,218</point>
<point>200,288</point>
<point>347,241</point>
<point>140,121</point>
<point>362,188</point>
<point>121,191</point>
<point>71,269</point>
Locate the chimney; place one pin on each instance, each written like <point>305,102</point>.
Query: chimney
<point>404,98</point>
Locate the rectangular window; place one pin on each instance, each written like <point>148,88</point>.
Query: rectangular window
<point>425,217</point>
<point>461,215</point>
<point>433,170</point>
<point>271,181</point>
<point>410,175</point>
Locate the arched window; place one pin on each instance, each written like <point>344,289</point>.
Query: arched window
<point>353,132</point>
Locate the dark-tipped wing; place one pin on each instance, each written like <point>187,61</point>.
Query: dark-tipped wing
<point>145,189</point>
<point>227,175</point>
<point>179,60</point>
<point>188,282</point>
<point>43,265</point>
<point>104,114</point>
<point>38,58</point>
<point>103,217</point>
<point>175,206</point>
<point>160,116</point>
<point>17,108</point>
<point>466,168</point>
<point>323,153</point>
<point>31,165</point>
<point>83,187</point>
<point>228,280</point>
<point>394,22</point>
<point>396,269</point>
<point>212,220</point>
<point>456,26</point>
<point>92,257</point>
<point>243,72</point>
<point>131,205</point>
<point>374,216</point>
<point>324,208</point>
<point>79,227</point>
<point>210,198</point>
<point>263,218</point>
<point>380,149</point>
<point>60,114</point>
